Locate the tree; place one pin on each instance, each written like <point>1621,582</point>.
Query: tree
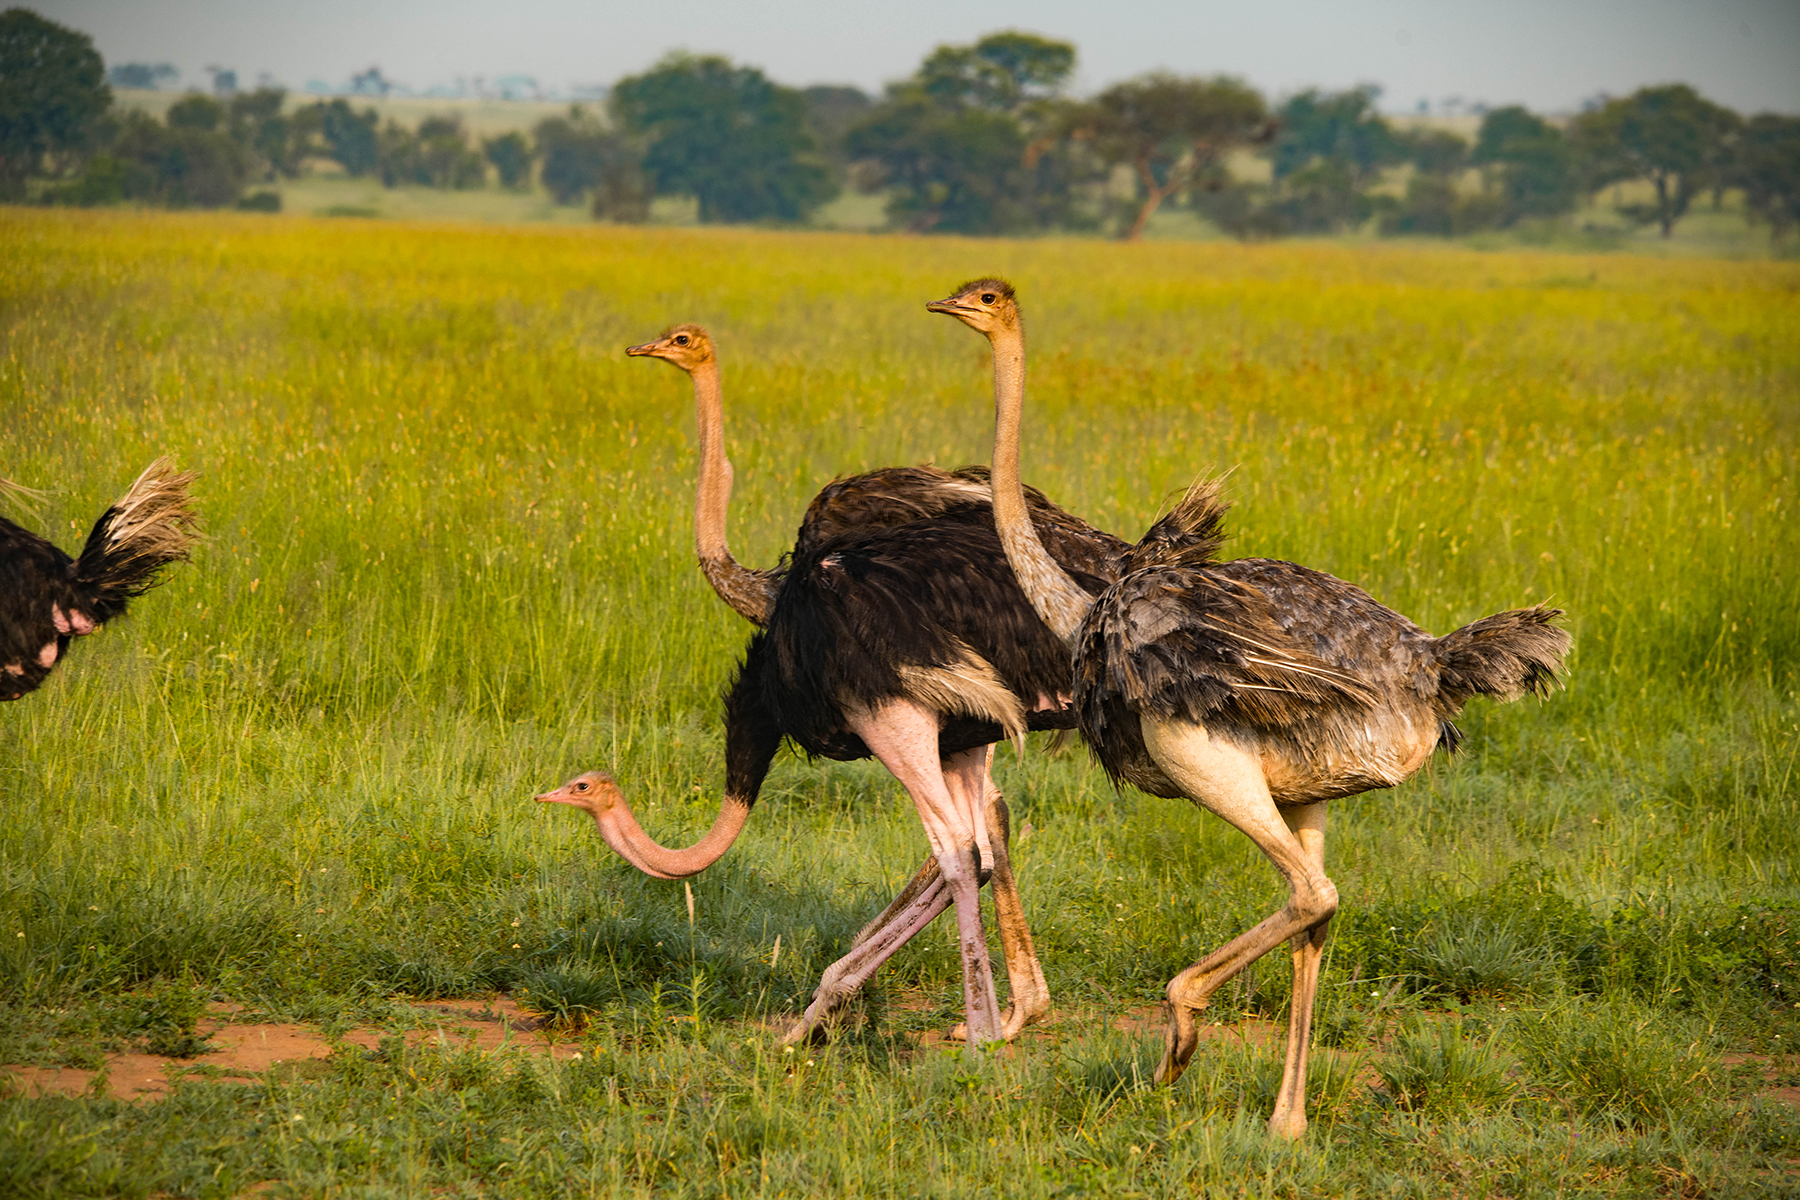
<point>727,136</point>
<point>831,112</point>
<point>349,136</point>
<point>1003,72</point>
<point>581,155</point>
<point>1331,147</point>
<point>398,155</point>
<point>1342,126</point>
<point>143,76</point>
<point>445,159</point>
<point>972,142</point>
<point>175,165</point>
<point>511,155</point>
<point>256,122</point>
<point>1768,169</point>
<point>1439,152</point>
<point>1669,135</point>
<point>195,110</point>
<point>52,87</point>
<point>1172,132</point>
<point>1528,161</point>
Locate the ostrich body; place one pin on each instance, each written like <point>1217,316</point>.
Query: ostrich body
<point>48,598</point>
<point>895,630</point>
<point>1258,689</point>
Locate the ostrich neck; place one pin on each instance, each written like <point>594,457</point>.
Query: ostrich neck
<point>619,826</point>
<point>739,586</point>
<point>1059,600</point>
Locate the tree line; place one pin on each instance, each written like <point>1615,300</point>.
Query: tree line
<point>980,139</point>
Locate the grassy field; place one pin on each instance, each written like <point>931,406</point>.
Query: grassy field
<point>451,565</point>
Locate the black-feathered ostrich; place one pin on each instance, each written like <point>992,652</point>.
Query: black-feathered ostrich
<point>895,629</point>
<point>1258,689</point>
<point>48,598</point>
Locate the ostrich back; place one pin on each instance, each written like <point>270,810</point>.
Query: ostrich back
<point>860,504</point>
<point>929,612</point>
<point>1335,692</point>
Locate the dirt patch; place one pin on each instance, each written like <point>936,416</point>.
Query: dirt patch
<point>1771,1067</point>
<point>248,1048</point>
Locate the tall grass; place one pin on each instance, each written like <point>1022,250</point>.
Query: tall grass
<point>451,563</point>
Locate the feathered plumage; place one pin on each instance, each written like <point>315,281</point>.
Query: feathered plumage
<point>47,597</point>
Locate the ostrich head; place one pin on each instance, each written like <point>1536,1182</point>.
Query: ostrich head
<point>985,305</point>
<point>593,791</point>
<point>686,346</point>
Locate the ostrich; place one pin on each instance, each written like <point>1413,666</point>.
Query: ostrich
<point>1258,689</point>
<point>48,598</point>
<point>907,640</point>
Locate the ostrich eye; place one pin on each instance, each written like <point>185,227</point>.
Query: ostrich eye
<point>681,339</point>
<point>987,297</point>
<point>581,786</point>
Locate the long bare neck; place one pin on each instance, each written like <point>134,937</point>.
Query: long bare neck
<point>746,590</point>
<point>1059,600</point>
<point>619,826</point>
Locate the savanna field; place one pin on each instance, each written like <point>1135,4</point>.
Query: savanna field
<point>450,564</point>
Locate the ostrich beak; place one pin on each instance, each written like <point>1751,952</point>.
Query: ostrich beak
<point>949,307</point>
<point>646,350</point>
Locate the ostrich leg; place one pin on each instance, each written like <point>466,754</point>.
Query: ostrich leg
<point>903,736</point>
<point>924,898</point>
<point>1289,1117</point>
<point>1229,781</point>
<point>970,777</point>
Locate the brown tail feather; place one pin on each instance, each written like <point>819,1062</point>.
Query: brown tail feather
<point>1190,535</point>
<point>1503,656</point>
<point>146,529</point>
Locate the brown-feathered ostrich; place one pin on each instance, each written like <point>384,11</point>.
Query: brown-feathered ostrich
<point>1258,689</point>
<point>906,639</point>
<point>48,598</point>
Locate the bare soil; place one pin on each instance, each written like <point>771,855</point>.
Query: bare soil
<point>248,1048</point>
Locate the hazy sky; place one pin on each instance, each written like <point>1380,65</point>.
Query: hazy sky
<point>1548,54</point>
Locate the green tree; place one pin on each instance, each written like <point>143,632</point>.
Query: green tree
<point>445,158</point>
<point>972,143</point>
<point>258,125</point>
<point>1173,132</point>
<point>349,136</point>
<point>511,155</point>
<point>1440,152</point>
<point>582,155</point>
<point>174,165</point>
<point>727,136</point>
<point>399,157</point>
<point>1331,147</point>
<point>1669,135</point>
<point>196,110</point>
<point>143,76</point>
<point>831,112</point>
<point>1342,127</point>
<point>1768,169</point>
<point>1528,161</point>
<point>52,88</point>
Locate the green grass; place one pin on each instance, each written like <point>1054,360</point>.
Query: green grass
<point>451,565</point>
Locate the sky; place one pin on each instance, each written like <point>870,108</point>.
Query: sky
<point>1550,55</point>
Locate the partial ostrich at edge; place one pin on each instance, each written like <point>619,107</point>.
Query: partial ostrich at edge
<point>895,630</point>
<point>47,598</point>
<point>1258,689</point>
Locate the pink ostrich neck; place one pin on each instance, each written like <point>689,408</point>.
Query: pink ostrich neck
<point>745,590</point>
<point>1059,600</point>
<point>623,833</point>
